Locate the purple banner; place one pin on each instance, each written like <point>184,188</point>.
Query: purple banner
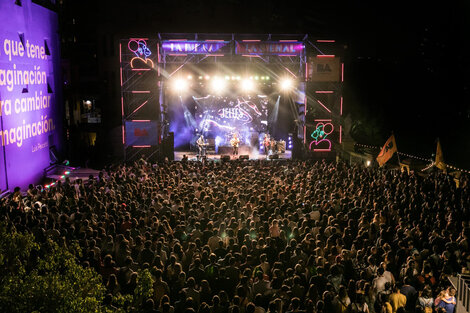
<point>196,47</point>
<point>29,92</point>
<point>269,48</point>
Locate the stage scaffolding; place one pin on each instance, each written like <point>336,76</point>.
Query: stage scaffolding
<point>147,65</point>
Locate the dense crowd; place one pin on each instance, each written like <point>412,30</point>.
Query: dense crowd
<point>262,236</point>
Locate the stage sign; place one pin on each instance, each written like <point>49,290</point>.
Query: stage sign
<point>321,136</point>
<point>29,92</point>
<point>141,133</point>
<point>324,69</point>
<point>196,47</point>
<point>293,48</point>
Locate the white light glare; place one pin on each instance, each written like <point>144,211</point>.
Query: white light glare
<point>247,85</point>
<point>180,85</point>
<point>218,85</point>
<point>286,84</point>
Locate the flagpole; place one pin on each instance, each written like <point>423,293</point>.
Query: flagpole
<point>398,153</point>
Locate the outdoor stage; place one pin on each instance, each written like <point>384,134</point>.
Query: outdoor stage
<point>192,156</point>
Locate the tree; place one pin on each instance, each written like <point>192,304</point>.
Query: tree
<point>44,278</point>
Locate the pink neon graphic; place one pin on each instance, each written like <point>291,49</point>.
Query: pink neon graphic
<point>288,40</point>
<point>123,135</point>
<point>340,133</point>
<point>287,55</point>
<point>305,105</point>
<point>138,39</point>
<point>158,53</point>
<point>329,111</point>
<point>177,55</point>
<point>325,56</point>
<point>139,107</point>
<point>141,51</point>
<point>342,72</point>
<point>179,67</point>
<point>122,106</point>
<point>215,55</point>
<point>141,69</point>
<point>120,53</point>
<point>140,91</point>
<point>178,40</point>
<point>325,40</point>
<point>320,141</point>
<point>140,120</point>
<point>290,72</point>
<point>251,40</point>
<point>323,120</point>
<point>120,73</point>
<point>145,146</point>
<point>324,91</point>
<point>250,56</point>
<point>214,40</point>
<point>341,107</point>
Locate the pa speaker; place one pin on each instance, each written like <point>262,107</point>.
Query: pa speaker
<point>225,157</point>
<point>243,157</point>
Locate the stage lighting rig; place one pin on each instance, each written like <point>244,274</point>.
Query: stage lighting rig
<point>218,85</point>
<point>286,84</point>
<point>180,85</point>
<point>247,85</point>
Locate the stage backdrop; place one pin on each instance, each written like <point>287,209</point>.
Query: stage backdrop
<point>29,92</point>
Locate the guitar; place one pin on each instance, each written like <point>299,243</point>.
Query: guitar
<point>234,142</point>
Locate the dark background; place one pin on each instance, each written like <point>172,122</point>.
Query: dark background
<point>406,68</point>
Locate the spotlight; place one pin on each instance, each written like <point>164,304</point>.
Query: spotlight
<point>227,77</point>
<point>218,85</point>
<point>247,85</point>
<point>286,84</point>
<point>368,163</point>
<point>190,77</point>
<point>200,77</point>
<point>207,77</point>
<point>180,85</point>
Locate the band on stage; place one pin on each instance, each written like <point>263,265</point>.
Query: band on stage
<point>269,145</point>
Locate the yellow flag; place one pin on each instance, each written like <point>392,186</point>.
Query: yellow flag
<point>387,151</point>
<point>440,157</point>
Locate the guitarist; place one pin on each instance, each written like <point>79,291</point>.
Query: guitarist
<point>201,146</point>
<point>266,143</point>
<point>235,141</point>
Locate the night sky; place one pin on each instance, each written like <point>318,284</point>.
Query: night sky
<point>405,65</point>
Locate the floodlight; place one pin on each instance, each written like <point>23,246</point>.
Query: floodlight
<point>180,85</point>
<point>218,85</point>
<point>247,85</point>
<point>286,84</point>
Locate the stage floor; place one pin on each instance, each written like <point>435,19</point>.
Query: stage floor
<point>192,156</point>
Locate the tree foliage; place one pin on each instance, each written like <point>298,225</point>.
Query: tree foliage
<point>44,278</point>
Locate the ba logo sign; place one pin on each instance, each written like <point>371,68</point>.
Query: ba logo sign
<point>322,68</point>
